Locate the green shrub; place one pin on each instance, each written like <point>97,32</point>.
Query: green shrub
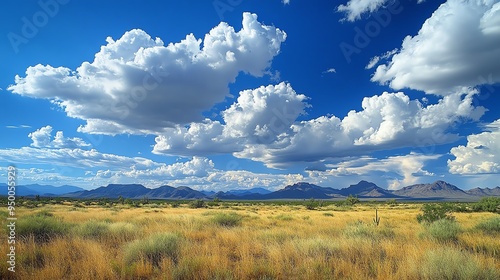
<point>311,204</point>
<point>42,227</point>
<point>227,219</point>
<point>448,263</point>
<point>153,249</point>
<point>199,203</point>
<point>284,217</point>
<point>443,230</point>
<point>434,212</point>
<point>175,204</point>
<point>44,213</point>
<point>93,229</point>
<point>360,229</point>
<point>490,226</point>
<point>488,204</point>
<point>351,200</point>
<point>392,202</point>
<point>123,230</point>
<point>214,202</point>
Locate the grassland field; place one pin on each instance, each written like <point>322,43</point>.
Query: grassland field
<point>248,240</point>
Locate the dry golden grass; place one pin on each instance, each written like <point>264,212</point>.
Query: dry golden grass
<point>271,242</point>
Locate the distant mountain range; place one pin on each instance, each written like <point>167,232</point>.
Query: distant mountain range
<point>439,190</point>
<point>42,190</point>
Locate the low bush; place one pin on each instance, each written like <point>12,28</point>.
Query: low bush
<point>284,217</point>
<point>360,229</point>
<point>93,229</point>
<point>490,226</point>
<point>448,263</point>
<point>199,203</point>
<point>351,200</point>
<point>42,227</point>
<point>443,230</point>
<point>311,204</point>
<point>227,219</point>
<point>123,230</point>
<point>487,204</point>
<point>435,211</point>
<point>153,249</point>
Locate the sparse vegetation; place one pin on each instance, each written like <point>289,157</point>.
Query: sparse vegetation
<point>490,226</point>
<point>227,219</point>
<point>252,240</point>
<point>351,200</point>
<point>435,211</point>
<point>153,249</point>
<point>452,264</point>
<point>312,204</point>
<point>488,204</point>
<point>444,230</point>
<point>42,227</point>
<point>199,203</point>
<point>93,229</point>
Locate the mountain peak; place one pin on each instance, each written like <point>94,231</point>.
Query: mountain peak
<point>365,188</point>
<point>437,189</point>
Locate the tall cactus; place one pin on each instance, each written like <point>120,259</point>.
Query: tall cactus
<point>376,220</point>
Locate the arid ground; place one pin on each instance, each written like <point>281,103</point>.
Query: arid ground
<point>249,240</point>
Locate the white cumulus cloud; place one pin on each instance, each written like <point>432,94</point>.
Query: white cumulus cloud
<point>262,126</point>
<point>262,115</point>
<point>42,138</point>
<point>136,84</point>
<point>355,8</point>
<point>458,46</point>
<point>387,121</point>
<point>480,155</point>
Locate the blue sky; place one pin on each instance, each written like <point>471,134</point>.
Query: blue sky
<point>219,95</point>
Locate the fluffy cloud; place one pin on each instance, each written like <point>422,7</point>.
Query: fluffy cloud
<point>480,155</point>
<point>376,59</point>
<point>458,46</point>
<point>64,159</point>
<point>196,167</point>
<point>355,8</point>
<point>42,138</point>
<point>259,116</point>
<point>262,126</point>
<point>70,157</point>
<point>136,84</point>
<point>387,121</point>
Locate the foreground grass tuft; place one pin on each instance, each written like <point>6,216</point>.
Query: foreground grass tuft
<point>443,230</point>
<point>153,249</point>
<point>93,229</point>
<point>448,263</point>
<point>360,229</point>
<point>41,227</point>
<point>490,226</point>
<point>227,219</point>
